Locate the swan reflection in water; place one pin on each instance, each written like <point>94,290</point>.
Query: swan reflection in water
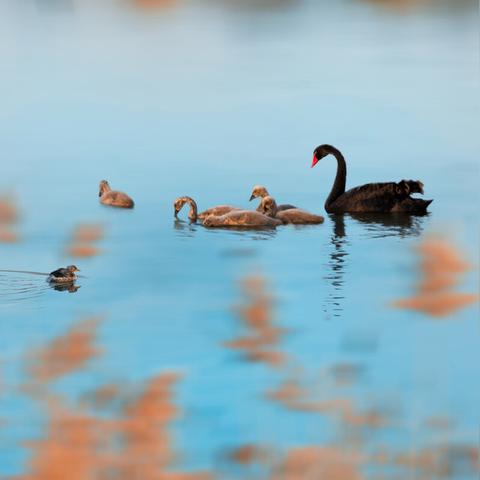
<point>336,266</point>
<point>185,229</point>
<point>375,225</point>
<point>381,225</point>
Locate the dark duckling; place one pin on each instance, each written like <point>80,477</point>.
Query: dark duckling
<point>63,275</point>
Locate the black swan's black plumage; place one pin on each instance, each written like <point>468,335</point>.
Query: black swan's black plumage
<point>372,197</point>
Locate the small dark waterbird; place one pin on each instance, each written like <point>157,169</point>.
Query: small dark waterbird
<point>63,275</point>
<point>386,197</point>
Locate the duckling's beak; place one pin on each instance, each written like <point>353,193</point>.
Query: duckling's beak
<point>252,196</point>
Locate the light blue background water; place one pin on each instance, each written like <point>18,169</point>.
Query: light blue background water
<point>208,98</point>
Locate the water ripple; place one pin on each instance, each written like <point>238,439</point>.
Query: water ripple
<point>18,286</point>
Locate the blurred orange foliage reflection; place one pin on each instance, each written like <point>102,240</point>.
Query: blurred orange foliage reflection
<point>441,266</point>
<point>8,218</point>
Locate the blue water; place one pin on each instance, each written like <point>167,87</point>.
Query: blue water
<point>207,99</point>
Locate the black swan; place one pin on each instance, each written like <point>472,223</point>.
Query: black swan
<point>112,197</point>
<point>372,197</point>
<point>261,192</point>
<point>294,216</point>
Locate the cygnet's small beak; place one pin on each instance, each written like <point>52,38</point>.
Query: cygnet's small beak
<point>252,196</point>
<point>175,212</point>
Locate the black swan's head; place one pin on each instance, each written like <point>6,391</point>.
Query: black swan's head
<point>322,151</point>
<point>259,192</point>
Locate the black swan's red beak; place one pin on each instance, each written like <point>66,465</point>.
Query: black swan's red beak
<point>314,160</point>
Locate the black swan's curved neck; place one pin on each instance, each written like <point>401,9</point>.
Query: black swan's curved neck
<point>340,179</point>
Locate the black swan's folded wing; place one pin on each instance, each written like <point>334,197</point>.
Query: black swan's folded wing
<point>382,197</point>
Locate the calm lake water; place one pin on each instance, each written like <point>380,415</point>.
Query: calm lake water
<point>208,98</point>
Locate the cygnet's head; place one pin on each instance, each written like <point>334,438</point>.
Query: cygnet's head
<point>259,192</point>
<point>103,187</point>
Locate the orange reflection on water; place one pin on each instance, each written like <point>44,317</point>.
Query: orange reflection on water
<point>67,353</point>
<point>8,211</point>
<point>83,237</point>
<point>154,4</point>
<point>123,432</point>
<point>131,443</point>
<point>8,218</point>
<point>256,315</point>
<point>249,454</point>
<point>7,235</point>
<point>441,460</point>
<point>407,6</point>
<point>88,232</point>
<point>314,462</point>
<point>291,395</point>
<point>103,397</point>
<point>70,448</point>
<point>441,266</point>
<point>82,251</point>
<point>147,448</point>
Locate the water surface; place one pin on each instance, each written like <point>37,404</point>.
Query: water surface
<point>207,99</point>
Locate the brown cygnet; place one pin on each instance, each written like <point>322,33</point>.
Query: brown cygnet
<point>260,191</point>
<point>113,198</point>
<point>242,218</point>
<point>293,216</point>
<point>193,214</point>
